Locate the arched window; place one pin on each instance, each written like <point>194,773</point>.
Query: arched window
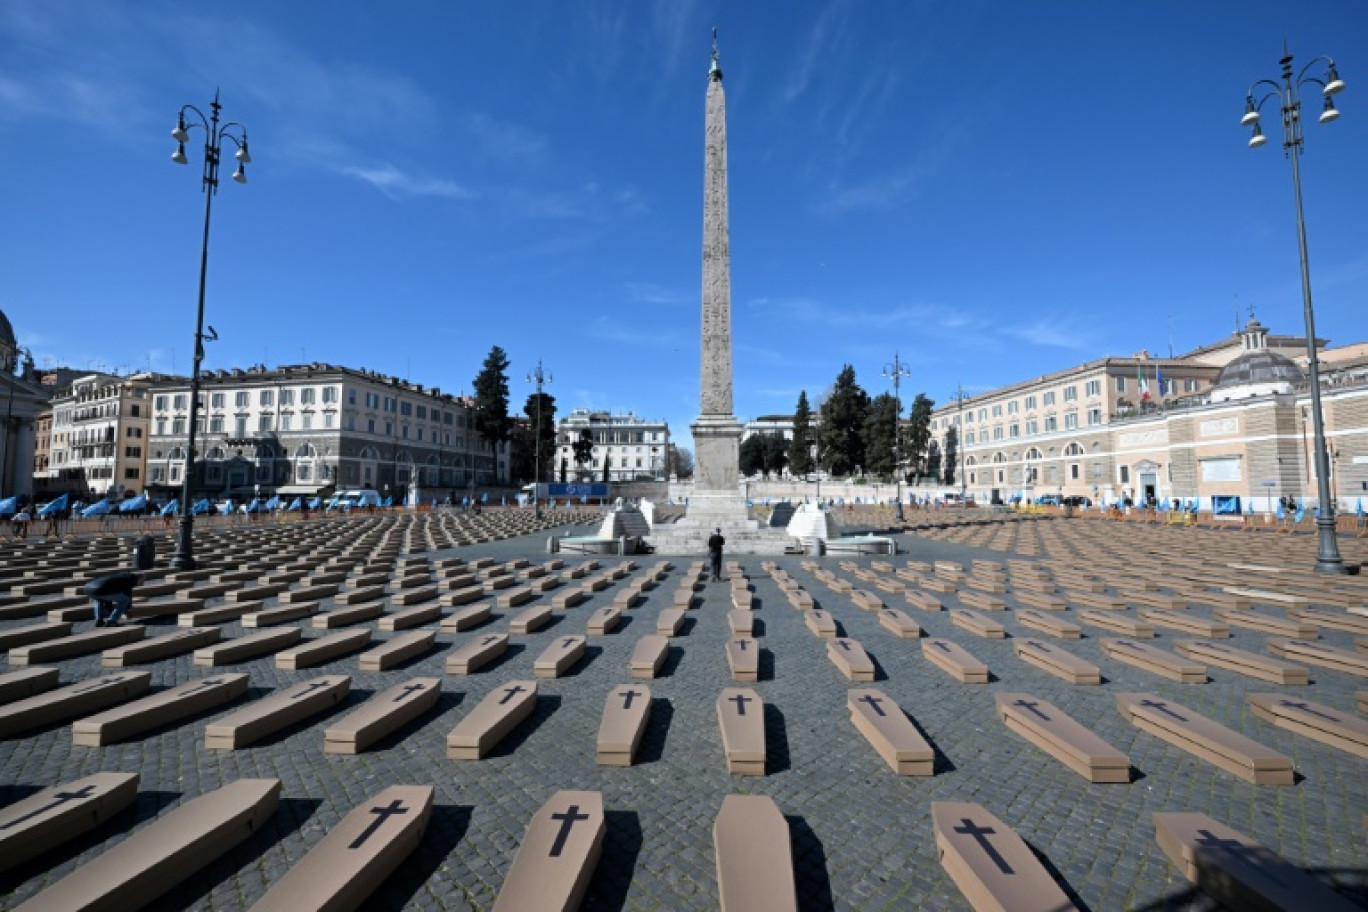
<point>370,453</point>
<point>1073,449</point>
<point>216,453</point>
<point>176,453</point>
<point>305,451</point>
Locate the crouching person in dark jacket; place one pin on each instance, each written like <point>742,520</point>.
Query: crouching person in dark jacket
<point>111,595</point>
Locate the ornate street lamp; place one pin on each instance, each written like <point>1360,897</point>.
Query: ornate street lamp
<point>1289,101</point>
<point>896,371</point>
<point>214,134</point>
<point>538,377</point>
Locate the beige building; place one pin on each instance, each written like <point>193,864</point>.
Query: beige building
<point>97,445</point>
<point>1230,420</point>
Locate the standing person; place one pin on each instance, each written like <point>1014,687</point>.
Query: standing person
<point>111,595</point>
<point>715,543</point>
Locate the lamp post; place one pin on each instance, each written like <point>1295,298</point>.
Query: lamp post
<point>1327,557</point>
<point>214,134</point>
<point>539,377</point>
<point>896,371</point>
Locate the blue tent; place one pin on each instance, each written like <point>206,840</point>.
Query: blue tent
<point>171,508</point>
<point>9,506</point>
<point>273,503</point>
<point>316,503</point>
<point>134,504</point>
<point>295,505</point>
<point>1301,511</point>
<point>55,506</point>
<point>254,506</point>
<point>484,498</point>
<point>388,501</point>
<point>1359,511</point>
<point>225,508</point>
<point>99,508</point>
<point>201,508</point>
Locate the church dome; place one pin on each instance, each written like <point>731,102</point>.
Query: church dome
<point>9,346</point>
<point>1259,367</point>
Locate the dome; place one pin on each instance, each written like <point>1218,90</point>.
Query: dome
<point>9,346</point>
<point>1257,367</point>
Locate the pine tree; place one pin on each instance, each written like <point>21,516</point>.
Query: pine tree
<point>951,454</point>
<point>541,418</point>
<point>880,430</point>
<point>800,447</point>
<point>918,436</point>
<point>843,418</point>
<point>583,448</point>
<point>492,422</point>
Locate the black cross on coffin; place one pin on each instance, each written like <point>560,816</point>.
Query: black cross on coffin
<point>98,683</point>
<point>316,685</point>
<point>1163,708</point>
<point>981,835</point>
<point>1030,707</point>
<point>873,702</point>
<point>408,691</point>
<point>58,800</point>
<point>1306,708</point>
<point>628,696</point>
<point>202,685</point>
<point>567,822</point>
<point>511,692</point>
<point>382,814</point>
<point>740,700</point>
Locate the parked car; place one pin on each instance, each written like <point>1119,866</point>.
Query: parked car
<point>1077,500</point>
<point>1048,500</point>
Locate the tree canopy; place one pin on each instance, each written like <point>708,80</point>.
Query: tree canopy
<point>492,421</point>
<point>880,434</point>
<point>918,435</point>
<point>843,419</point>
<point>800,447</point>
<point>540,410</point>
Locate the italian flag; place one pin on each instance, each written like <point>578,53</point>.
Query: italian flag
<point>1144,384</point>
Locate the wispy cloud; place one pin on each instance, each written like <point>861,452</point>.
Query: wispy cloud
<point>613,329</point>
<point>650,293</point>
<point>1055,333</point>
<point>397,184</point>
<point>900,186</point>
<point>827,40</point>
<point>505,141</point>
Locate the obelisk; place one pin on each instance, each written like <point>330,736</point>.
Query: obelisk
<point>716,499</point>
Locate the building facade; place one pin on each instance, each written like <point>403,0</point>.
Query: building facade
<point>25,400</point>
<point>97,444</point>
<point>1224,421</point>
<point>634,448</point>
<point>301,429</point>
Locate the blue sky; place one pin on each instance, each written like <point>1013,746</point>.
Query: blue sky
<point>992,190</point>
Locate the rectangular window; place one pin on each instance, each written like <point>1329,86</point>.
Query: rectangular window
<point>389,429</point>
<point>1071,420</point>
<point>406,408</point>
<point>216,425</point>
<point>1073,471</point>
<point>240,399</point>
<point>175,473</point>
<point>422,412</point>
<point>306,396</point>
<point>239,427</point>
<point>370,425</point>
<point>1012,407</point>
<point>131,472</point>
<point>1094,417</point>
<point>1070,394</point>
<point>178,426</point>
<point>969,437</point>
<point>264,423</point>
<point>287,397</point>
<point>1094,388</point>
<point>160,403</point>
<point>1014,430</point>
<point>286,421</point>
<point>420,433</point>
<point>372,400</point>
<point>181,401</point>
<point>404,432</point>
<point>1125,472</point>
<point>1120,384</point>
<point>217,400</point>
<point>997,432</point>
<point>1030,403</point>
<point>1031,428</point>
<point>1051,424</point>
<point>328,420</point>
<point>1049,398</point>
<point>307,419</point>
<point>265,397</point>
<point>997,411</point>
<point>1190,385</point>
<point>330,395</point>
<point>132,452</point>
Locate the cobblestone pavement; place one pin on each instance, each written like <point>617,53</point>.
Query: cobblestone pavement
<point>862,837</point>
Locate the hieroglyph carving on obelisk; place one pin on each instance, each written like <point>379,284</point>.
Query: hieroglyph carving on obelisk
<point>717,344</point>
